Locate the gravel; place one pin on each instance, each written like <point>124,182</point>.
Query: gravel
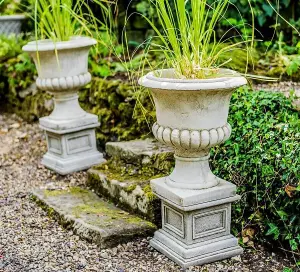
<point>31,241</point>
<point>284,87</point>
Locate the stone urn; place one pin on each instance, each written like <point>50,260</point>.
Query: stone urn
<point>196,205</point>
<point>70,131</point>
<point>11,24</point>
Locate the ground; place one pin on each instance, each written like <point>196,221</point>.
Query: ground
<point>31,241</point>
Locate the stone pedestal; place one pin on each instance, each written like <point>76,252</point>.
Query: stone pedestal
<point>196,223</point>
<point>71,145</point>
<point>196,205</point>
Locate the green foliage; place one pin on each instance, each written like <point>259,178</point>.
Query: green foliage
<point>266,18</point>
<point>10,7</point>
<point>262,158</point>
<point>114,101</point>
<point>286,269</point>
<point>281,60</point>
<point>187,36</point>
<point>59,20</point>
<point>9,46</point>
<point>16,69</point>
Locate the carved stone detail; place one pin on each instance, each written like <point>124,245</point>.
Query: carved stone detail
<point>193,140</point>
<point>63,83</point>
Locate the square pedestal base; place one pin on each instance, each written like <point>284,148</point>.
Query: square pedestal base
<point>197,254</point>
<point>64,166</point>
<point>72,149</point>
<point>196,223</point>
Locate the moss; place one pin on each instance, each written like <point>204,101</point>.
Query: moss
<point>148,193</point>
<point>78,190</point>
<point>72,190</point>
<point>118,170</point>
<point>130,188</point>
<point>53,193</point>
<point>93,208</point>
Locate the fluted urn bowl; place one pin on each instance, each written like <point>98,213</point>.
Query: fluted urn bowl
<point>192,117</point>
<point>62,70</point>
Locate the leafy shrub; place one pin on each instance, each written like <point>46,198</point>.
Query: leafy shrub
<point>115,102</point>
<point>262,158</point>
<point>9,7</point>
<point>16,70</point>
<point>238,13</point>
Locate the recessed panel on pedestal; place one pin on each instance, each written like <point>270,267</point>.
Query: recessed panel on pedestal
<point>209,223</point>
<point>78,143</point>
<point>54,144</point>
<point>173,221</point>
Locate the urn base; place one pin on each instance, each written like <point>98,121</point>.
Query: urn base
<point>70,165</point>
<point>71,144</point>
<point>196,223</point>
<point>198,254</point>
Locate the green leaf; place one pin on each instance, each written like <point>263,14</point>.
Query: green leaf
<point>261,20</point>
<point>286,2</point>
<point>273,230</point>
<point>283,215</point>
<point>292,68</point>
<point>268,9</point>
<point>293,244</point>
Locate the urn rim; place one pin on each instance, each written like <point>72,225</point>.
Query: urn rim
<point>12,17</point>
<point>49,45</point>
<point>167,82</point>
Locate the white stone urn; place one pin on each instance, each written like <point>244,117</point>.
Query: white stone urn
<point>11,24</point>
<point>62,70</point>
<point>192,118</point>
<point>196,205</point>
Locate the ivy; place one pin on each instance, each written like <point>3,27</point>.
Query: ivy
<point>262,158</point>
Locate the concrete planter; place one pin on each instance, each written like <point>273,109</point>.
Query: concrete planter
<point>70,131</point>
<point>11,24</point>
<point>196,205</point>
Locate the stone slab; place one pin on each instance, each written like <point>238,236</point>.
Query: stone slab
<point>134,194</point>
<point>91,217</point>
<point>187,200</point>
<point>125,178</point>
<point>139,151</point>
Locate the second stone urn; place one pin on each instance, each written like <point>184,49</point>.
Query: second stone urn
<point>196,205</point>
<point>70,131</point>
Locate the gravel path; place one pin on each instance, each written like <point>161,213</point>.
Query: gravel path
<point>285,86</point>
<point>30,241</point>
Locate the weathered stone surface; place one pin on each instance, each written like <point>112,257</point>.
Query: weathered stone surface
<point>133,193</point>
<point>139,151</point>
<point>125,178</point>
<point>91,217</point>
<point>196,223</point>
